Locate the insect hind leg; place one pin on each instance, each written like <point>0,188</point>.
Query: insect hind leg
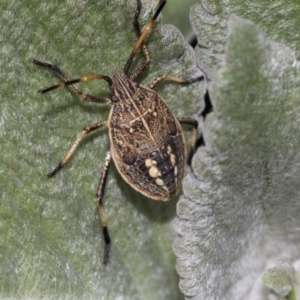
<point>194,123</point>
<point>99,195</point>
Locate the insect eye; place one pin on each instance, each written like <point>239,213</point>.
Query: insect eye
<point>136,84</point>
<point>114,98</point>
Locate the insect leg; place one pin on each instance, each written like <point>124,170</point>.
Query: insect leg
<point>186,121</point>
<point>137,28</point>
<point>162,77</point>
<point>99,195</point>
<point>67,81</point>
<point>83,133</point>
<point>142,36</point>
<point>192,122</point>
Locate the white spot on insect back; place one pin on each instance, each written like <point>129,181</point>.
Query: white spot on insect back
<point>154,172</point>
<point>173,159</point>
<point>148,162</point>
<point>159,181</point>
<point>175,171</point>
<point>169,149</point>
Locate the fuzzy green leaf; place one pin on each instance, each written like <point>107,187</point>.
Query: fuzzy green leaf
<point>242,206</point>
<point>51,239</point>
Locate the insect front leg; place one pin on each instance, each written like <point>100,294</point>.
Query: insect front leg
<point>57,70</point>
<point>99,195</point>
<point>142,35</point>
<point>136,25</point>
<point>82,134</point>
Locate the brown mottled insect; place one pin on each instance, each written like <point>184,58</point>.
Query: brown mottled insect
<point>146,139</point>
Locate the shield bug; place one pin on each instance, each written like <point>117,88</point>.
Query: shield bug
<point>146,140</point>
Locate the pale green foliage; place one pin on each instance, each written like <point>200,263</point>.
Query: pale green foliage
<point>240,209</point>
<point>280,278</point>
<point>241,203</point>
<point>51,240</point>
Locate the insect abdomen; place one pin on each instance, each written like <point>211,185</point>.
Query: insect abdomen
<point>157,171</point>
